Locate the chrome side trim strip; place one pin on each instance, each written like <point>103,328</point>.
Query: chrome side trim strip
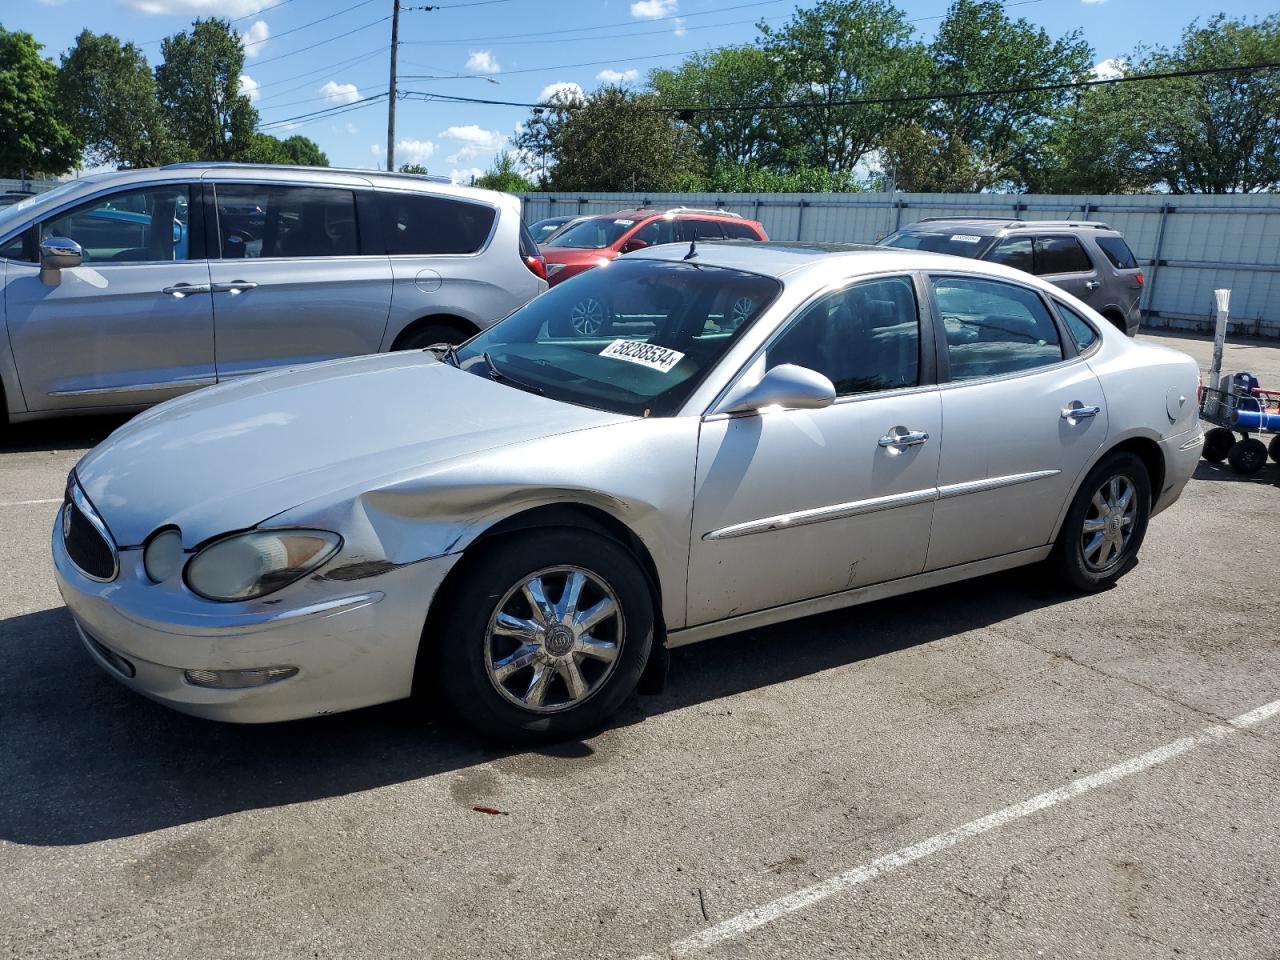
<point>839,511</point>
<point>992,483</point>
<point>137,387</point>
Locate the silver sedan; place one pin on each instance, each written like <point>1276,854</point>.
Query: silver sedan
<point>523,525</point>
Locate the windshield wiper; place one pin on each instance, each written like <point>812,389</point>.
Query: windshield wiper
<point>445,352</point>
<point>498,376</point>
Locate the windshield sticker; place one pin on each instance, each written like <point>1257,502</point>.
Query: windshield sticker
<point>648,355</point>
<point>624,223</point>
<point>965,238</point>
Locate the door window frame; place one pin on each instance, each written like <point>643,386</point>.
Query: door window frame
<point>1035,255</point>
<point>927,369</point>
<point>1070,352</point>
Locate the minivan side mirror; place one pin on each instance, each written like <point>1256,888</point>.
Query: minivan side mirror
<point>60,253</point>
<point>635,243</point>
<point>786,385</point>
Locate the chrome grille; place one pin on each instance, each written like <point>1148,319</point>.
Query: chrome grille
<point>88,543</point>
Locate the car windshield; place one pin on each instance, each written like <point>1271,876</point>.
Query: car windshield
<point>633,337</point>
<point>595,233</point>
<point>545,228</point>
<point>957,242</point>
<point>14,214</point>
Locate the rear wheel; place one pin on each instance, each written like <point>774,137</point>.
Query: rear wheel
<point>430,334</point>
<point>545,636</point>
<point>1248,456</point>
<point>1217,444</point>
<point>1274,448</point>
<point>1105,525</point>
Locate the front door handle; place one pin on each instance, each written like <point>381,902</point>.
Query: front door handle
<point>900,438</point>
<point>180,290</point>
<point>234,287</point>
<point>1076,410</point>
<point>1093,285</point>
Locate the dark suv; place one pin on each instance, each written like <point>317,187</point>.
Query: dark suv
<point>1084,257</point>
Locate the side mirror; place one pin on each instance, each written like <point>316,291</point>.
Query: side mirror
<point>59,253</point>
<point>788,385</point>
<point>635,243</point>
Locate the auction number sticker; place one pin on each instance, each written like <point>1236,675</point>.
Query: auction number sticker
<point>646,354</point>
<point>965,238</point>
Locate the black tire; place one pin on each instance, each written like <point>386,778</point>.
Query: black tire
<point>431,334</point>
<point>1217,444</point>
<point>461,650</point>
<point>1247,457</point>
<point>588,317</point>
<point>1273,448</point>
<point>1069,554</point>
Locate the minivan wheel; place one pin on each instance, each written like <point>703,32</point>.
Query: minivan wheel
<point>1105,526</point>
<point>545,637</point>
<point>1217,444</point>
<point>431,334</point>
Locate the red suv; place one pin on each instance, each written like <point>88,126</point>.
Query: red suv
<point>595,240</point>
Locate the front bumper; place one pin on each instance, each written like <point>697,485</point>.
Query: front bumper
<point>354,642</point>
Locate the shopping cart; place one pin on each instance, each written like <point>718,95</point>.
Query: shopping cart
<point>1240,406</point>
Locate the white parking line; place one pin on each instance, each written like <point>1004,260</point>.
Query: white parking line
<point>27,503</point>
<point>749,920</point>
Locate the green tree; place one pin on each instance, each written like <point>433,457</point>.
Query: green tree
<point>33,138</point>
<point>107,94</point>
<point>199,89</point>
<point>264,148</point>
<point>835,51</point>
<point>413,168</point>
<point>612,140</point>
<point>304,152</point>
<point>504,176</point>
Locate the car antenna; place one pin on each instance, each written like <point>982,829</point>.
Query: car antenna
<point>693,249</point>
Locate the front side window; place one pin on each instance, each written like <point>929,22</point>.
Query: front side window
<point>1061,255</point>
<point>1118,253</point>
<point>994,328</point>
<point>655,232</point>
<point>420,223</point>
<point>864,338</point>
<point>256,221</point>
<point>1014,252</point>
<point>594,233</point>
<point>634,336</point>
<point>137,226</point>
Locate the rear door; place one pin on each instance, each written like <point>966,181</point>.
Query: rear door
<point>131,326</point>
<point>294,278</point>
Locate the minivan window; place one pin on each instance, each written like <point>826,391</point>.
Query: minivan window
<point>424,224</point>
<point>147,225</point>
<point>1118,252</point>
<point>268,220</point>
<point>994,328</point>
<point>1061,255</point>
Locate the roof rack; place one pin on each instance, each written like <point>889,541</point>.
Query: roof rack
<point>363,171</point>
<point>717,211</point>
<point>1016,224</point>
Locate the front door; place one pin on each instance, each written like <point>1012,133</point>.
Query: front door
<point>794,504</point>
<point>1024,416</point>
<point>131,326</point>
<point>290,281</point>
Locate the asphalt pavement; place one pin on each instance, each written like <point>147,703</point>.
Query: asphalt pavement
<point>989,769</point>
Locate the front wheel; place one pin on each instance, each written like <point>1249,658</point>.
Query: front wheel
<point>545,636</point>
<point>1105,524</point>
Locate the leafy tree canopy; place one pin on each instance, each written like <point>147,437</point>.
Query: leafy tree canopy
<point>34,139</point>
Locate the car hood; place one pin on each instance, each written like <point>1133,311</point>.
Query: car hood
<point>228,457</point>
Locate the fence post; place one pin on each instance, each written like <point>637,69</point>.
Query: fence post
<point>800,218</point>
<point>1149,290</point>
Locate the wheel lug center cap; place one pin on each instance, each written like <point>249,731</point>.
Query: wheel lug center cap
<point>559,640</point>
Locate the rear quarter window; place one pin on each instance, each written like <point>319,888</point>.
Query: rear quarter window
<point>415,223</point>
<point>739,231</point>
<point>1118,252</point>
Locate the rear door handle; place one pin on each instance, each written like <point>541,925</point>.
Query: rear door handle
<point>901,438</point>
<point>180,290</point>
<point>234,287</point>
<point>1078,411</point>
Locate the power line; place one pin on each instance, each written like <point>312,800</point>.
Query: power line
<point>327,68</point>
<point>285,33</point>
<point>321,43</point>
<point>258,13</point>
<point>327,112</point>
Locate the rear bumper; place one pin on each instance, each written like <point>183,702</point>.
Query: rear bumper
<point>1181,454</point>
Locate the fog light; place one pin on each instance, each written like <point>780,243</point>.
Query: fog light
<point>238,679</point>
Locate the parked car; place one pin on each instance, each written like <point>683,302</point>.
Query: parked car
<point>543,229</point>
<point>10,197</point>
<point>524,524</point>
<point>1086,258</point>
<point>124,289</point>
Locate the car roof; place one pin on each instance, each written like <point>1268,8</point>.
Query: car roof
<point>990,226</point>
<point>644,213</point>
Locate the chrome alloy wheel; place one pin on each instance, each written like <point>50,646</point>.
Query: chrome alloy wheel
<point>1108,524</point>
<point>588,317</point>
<point>740,312</point>
<point>545,656</point>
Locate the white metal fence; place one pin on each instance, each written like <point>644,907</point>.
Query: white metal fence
<point>1188,245</point>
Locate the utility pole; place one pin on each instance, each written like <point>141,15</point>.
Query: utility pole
<point>391,90</point>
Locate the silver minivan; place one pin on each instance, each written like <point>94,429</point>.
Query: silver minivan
<point>124,289</point>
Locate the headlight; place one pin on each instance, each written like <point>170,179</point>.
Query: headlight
<point>163,556</point>
<point>250,565</point>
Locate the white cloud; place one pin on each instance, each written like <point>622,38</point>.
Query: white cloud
<point>217,8</point>
<point>413,151</point>
<point>52,3</point>
<point>340,92</point>
<point>652,9</point>
<point>482,61</point>
<point>474,136</point>
<point>618,76</point>
<point>464,177</point>
<point>254,40</point>
<point>352,129</point>
<point>1110,68</point>
<point>679,31</point>
<point>561,90</point>
<point>250,87</point>
<point>375,149</point>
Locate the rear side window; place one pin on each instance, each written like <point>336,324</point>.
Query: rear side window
<point>1061,255</point>
<point>994,328</point>
<point>416,223</point>
<point>263,220</point>
<point>1118,253</point>
<point>701,230</point>
<point>1081,330</point>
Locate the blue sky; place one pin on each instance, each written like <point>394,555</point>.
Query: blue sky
<point>501,49</point>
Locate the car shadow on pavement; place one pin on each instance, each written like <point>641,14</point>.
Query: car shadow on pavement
<point>64,433</point>
<point>83,759</point>
<point>1268,476</point>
